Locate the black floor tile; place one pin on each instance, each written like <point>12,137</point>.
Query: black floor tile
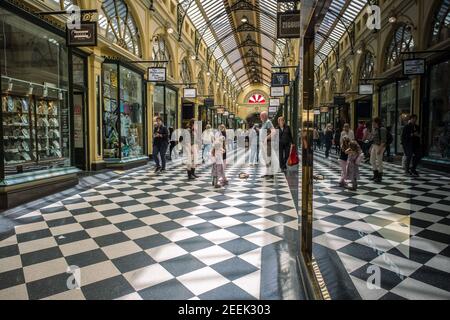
<point>87,258</point>
<point>152,241</point>
<point>169,290</point>
<point>44,255</point>
<point>11,278</point>
<point>234,268</point>
<point>109,289</point>
<point>194,244</point>
<point>182,265</point>
<point>133,262</point>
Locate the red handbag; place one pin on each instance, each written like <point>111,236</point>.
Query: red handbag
<point>293,157</point>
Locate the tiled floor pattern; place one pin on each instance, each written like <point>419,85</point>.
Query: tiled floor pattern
<point>147,236</point>
<point>401,226</point>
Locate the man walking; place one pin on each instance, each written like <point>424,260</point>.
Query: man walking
<point>411,145</point>
<point>160,144</point>
<point>266,134</point>
<point>378,148</point>
<point>286,142</point>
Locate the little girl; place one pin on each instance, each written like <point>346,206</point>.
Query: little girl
<point>218,170</point>
<point>355,157</point>
<point>343,161</point>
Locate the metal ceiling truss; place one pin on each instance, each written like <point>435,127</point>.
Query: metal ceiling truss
<point>349,28</point>
<point>245,27</point>
<point>334,47</point>
<point>182,9</point>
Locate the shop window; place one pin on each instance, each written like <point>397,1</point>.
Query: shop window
<point>160,52</point>
<point>34,98</point>
<point>117,24</point>
<point>367,67</point>
<point>123,114</point>
<point>439,121</point>
<point>401,41</point>
<point>441,23</point>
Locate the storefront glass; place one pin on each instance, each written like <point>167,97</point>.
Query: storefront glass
<point>123,113</point>
<point>394,110</point>
<point>171,108</point>
<point>439,122</point>
<point>34,86</point>
<point>158,102</point>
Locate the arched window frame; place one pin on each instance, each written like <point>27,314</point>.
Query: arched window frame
<point>441,23</point>
<point>347,80</point>
<point>160,52</point>
<point>117,24</point>
<point>185,71</point>
<point>367,66</point>
<point>402,40</point>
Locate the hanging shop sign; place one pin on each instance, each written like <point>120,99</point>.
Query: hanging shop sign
<point>339,100</point>
<point>317,112</point>
<point>280,79</point>
<point>157,74</point>
<point>85,36</point>
<point>273,109</point>
<point>365,89</point>
<point>274,103</point>
<point>288,24</point>
<point>324,109</point>
<point>220,110</point>
<point>413,67</point>
<point>277,91</point>
<point>226,113</point>
<point>232,116</point>
<point>190,93</point>
<point>209,103</point>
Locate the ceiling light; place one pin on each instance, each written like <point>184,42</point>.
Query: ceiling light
<point>244,19</point>
<point>208,73</point>
<point>393,19</point>
<point>359,51</point>
<point>193,57</point>
<point>339,69</point>
<point>326,81</point>
<point>169,30</point>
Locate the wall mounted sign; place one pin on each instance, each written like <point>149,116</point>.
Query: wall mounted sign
<point>323,109</point>
<point>277,91</point>
<point>156,74</point>
<point>317,112</point>
<point>190,93</point>
<point>226,113</point>
<point>280,79</point>
<point>365,89</point>
<point>85,36</point>
<point>256,99</point>
<point>413,67</point>
<point>273,109</point>
<point>220,110</point>
<point>288,24</point>
<point>274,103</point>
<point>209,103</point>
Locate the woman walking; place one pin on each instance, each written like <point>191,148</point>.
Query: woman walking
<point>222,137</point>
<point>343,161</point>
<point>192,152</point>
<point>328,140</point>
<point>253,142</point>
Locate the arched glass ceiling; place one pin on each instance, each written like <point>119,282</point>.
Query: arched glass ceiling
<point>340,13</point>
<point>210,18</point>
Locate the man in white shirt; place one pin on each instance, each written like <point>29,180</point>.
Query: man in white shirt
<point>267,133</point>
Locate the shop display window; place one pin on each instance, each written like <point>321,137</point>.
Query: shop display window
<point>35,119</point>
<point>439,122</point>
<point>123,112</point>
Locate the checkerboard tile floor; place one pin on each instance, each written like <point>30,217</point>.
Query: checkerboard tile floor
<point>401,226</point>
<point>151,236</point>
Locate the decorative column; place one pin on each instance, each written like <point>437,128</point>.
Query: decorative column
<point>150,113</point>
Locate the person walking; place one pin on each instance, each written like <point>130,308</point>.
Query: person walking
<point>346,133</point>
<point>192,150</point>
<point>377,150</point>
<point>359,134</point>
<point>173,142</point>
<point>266,134</point>
<point>285,144</point>
<point>321,138</point>
<point>337,140</point>
<point>343,159</point>
<point>367,141</point>
<point>221,137</point>
<point>316,138</point>
<point>328,140</point>
<point>354,160</point>
<point>207,140</point>
<point>411,146</point>
<point>253,143</point>
<point>389,142</point>
<point>160,144</point>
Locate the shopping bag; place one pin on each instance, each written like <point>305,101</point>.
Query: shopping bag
<point>293,157</point>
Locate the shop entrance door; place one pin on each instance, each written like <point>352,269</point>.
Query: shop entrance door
<point>363,111</point>
<point>79,129</point>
